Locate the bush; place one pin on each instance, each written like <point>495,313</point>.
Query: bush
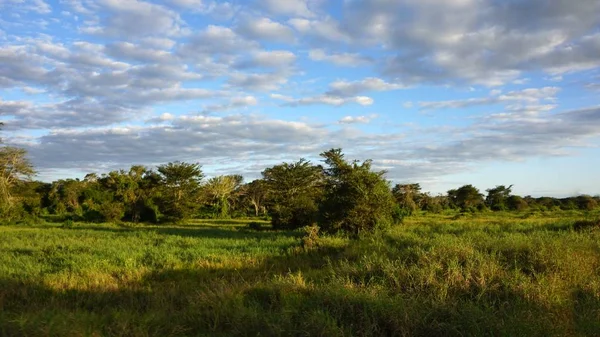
<point>311,237</point>
<point>256,226</point>
<point>357,200</point>
<point>583,225</point>
<point>303,212</point>
<point>112,211</point>
<point>68,223</point>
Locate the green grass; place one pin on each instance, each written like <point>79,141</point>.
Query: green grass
<point>491,275</point>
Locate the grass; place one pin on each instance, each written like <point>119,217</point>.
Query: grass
<point>488,275</point>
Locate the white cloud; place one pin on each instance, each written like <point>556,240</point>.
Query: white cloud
<point>323,99</point>
<point>234,103</point>
<point>288,7</point>
<point>278,59</point>
<point>344,88</point>
<point>265,29</point>
<point>134,18</point>
<point>357,119</point>
<point>340,59</point>
<point>526,96</point>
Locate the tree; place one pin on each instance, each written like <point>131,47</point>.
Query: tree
<point>466,198</point>
<point>357,199</point>
<point>180,186</point>
<point>497,197</point>
<point>127,189</point>
<point>220,189</point>
<point>14,168</point>
<point>407,196</point>
<point>516,203</point>
<point>295,190</point>
<point>256,193</point>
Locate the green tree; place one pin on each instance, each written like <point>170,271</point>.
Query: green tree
<point>14,169</point>
<point>220,192</point>
<point>516,203</point>
<point>497,197</point>
<point>407,196</point>
<point>256,193</point>
<point>295,190</point>
<point>180,186</point>
<point>357,199</point>
<point>466,198</point>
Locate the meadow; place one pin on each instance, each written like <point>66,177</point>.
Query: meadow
<point>500,274</point>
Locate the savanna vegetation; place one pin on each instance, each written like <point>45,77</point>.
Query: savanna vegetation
<point>329,250</point>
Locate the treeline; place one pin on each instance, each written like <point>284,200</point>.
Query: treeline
<point>339,195</point>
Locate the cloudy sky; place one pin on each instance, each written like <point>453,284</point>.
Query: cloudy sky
<point>441,92</point>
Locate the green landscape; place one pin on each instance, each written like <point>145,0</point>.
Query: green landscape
<point>328,249</point>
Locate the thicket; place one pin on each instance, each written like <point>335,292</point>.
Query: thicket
<point>338,195</point>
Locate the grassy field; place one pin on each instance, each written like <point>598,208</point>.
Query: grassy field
<point>494,275</point>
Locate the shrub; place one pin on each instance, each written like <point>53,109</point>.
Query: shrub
<point>587,225</point>
<point>311,237</point>
<point>68,223</point>
<point>357,200</point>
<point>112,211</point>
<point>256,226</point>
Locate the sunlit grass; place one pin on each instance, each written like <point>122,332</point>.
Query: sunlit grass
<point>493,274</point>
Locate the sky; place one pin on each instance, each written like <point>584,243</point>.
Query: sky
<point>439,92</point>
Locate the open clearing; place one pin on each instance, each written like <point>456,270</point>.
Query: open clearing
<point>502,274</point>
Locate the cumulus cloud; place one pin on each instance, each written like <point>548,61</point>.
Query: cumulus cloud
<point>340,59</point>
<point>265,29</point>
<point>234,103</point>
<point>134,18</point>
<point>288,7</point>
<point>323,99</point>
<point>526,96</point>
<point>344,88</point>
<point>357,119</point>
<point>278,59</point>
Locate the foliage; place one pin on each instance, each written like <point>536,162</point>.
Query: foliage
<point>466,198</point>
<point>497,197</point>
<point>295,190</point>
<point>357,199</point>
<point>408,196</point>
<point>14,168</point>
<point>180,183</point>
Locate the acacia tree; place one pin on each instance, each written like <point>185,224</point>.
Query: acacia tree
<point>466,197</point>
<point>295,190</point>
<point>14,168</point>
<point>180,186</point>
<point>357,199</point>
<point>497,197</point>
<point>408,197</point>
<point>256,193</point>
<point>220,190</point>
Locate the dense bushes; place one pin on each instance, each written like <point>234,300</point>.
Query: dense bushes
<point>344,195</point>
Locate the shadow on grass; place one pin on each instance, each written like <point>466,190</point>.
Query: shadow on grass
<point>194,231</point>
<point>275,299</point>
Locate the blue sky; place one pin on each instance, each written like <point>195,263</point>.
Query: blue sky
<point>441,92</point>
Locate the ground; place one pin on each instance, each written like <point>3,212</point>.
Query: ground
<point>528,274</point>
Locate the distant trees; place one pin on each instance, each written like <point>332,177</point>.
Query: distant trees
<point>408,197</point>
<point>497,197</point>
<point>466,198</point>
<point>340,195</point>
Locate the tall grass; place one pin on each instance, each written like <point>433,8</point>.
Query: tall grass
<point>499,275</point>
